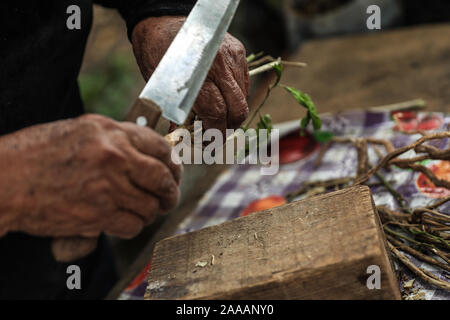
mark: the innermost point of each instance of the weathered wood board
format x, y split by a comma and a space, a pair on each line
318, 248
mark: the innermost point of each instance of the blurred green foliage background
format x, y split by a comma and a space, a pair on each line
109, 80
107, 89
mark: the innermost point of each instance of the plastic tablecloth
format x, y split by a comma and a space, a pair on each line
237, 187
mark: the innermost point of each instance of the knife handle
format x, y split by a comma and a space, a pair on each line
73, 248
148, 114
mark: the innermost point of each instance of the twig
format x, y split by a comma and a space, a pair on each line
401, 236
439, 203
423, 274
400, 224
363, 157
438, 229
417, 254
433, 153
268, 59
411, 105
407, 161
265, 68
430, 175
254, 56
386, 143
343, 139
435, 224
269, 66
430, 237
322, 152
294, 64
398, 197
377, 184
438, 216
400, 151
261, 61
378, 152
440, 254
385, 212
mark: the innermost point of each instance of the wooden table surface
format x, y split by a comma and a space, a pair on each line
368, 70
343, 73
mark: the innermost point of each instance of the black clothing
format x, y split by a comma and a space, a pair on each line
40, 57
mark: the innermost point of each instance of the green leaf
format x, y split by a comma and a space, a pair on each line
305, 101
304, 123
322, 136
317, 122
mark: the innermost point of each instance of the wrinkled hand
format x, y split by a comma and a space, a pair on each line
85, 176
222, 102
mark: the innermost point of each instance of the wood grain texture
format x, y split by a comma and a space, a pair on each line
318, 248
152, 113
203, 177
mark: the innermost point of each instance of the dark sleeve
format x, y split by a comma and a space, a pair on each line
134, 11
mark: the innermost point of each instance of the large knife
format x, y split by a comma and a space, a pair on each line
172, 89
176, 82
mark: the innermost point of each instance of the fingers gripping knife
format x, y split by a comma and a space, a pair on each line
173, 88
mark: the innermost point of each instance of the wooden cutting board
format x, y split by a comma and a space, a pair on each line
323, 247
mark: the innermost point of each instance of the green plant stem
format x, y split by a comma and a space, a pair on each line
417, 254
401, 236
258, 109
263, 102
401, 201
430, 236
254, 56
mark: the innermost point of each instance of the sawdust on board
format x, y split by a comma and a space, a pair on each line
201, 264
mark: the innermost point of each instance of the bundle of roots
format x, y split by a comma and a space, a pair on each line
423, 233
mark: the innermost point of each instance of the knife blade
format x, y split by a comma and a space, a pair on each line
174, 86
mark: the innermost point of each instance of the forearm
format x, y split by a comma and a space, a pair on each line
20, 153
11, 177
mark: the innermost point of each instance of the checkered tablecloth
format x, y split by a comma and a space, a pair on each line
242, 184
